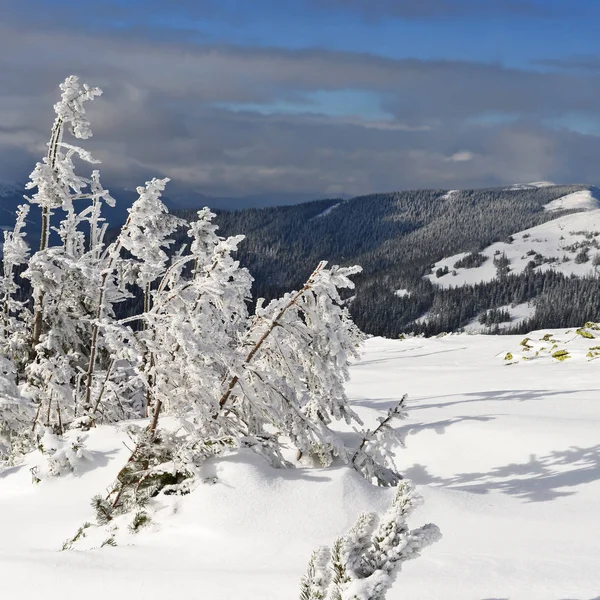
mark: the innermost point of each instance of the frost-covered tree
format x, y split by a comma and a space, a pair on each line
271, 380
54, 179
16, 411
15, 316
263, 382
255, 382
363, 563
64, 277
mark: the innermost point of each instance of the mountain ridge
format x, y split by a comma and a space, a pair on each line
398, 238
401, 240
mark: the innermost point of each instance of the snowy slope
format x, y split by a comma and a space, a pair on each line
532, 185
559, 239
507, 458
582, 200
518, 314
328, 210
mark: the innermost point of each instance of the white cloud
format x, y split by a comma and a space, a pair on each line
462, 156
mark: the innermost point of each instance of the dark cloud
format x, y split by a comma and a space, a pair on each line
411, 9
180, 109
124, 10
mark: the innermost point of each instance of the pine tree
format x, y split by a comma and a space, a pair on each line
63, 277
363, 563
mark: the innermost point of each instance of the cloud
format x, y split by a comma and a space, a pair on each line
463, 156
176, 108
411, 9
125, 11
578, 63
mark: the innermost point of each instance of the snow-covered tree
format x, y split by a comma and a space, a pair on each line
54, 178
15, 316
64, 277
16, 411
272, 381
363, 563
264, 382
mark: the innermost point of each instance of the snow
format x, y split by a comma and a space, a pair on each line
550, 239
402, 293
582, 200
507, 458
449, 194
327, 210
518, 314
542, 184
533, 184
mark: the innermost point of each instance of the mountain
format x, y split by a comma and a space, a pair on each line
11, 195
429, 256
401, 239
563, 244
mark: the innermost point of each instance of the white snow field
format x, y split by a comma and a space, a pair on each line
518, 314
553, 240
507, 457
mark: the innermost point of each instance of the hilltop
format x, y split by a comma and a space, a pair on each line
403, 239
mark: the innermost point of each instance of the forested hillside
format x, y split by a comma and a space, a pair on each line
397, 238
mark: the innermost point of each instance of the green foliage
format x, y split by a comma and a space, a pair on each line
582, 256
109, 541
104, 511
314, 582
80, 534
141, 519
561, 355
502, 263
165, 463
152, 468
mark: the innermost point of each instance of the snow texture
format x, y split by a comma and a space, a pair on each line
506, 457
518, 314
558, 242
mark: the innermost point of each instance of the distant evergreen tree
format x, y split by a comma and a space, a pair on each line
470, 261
397, 237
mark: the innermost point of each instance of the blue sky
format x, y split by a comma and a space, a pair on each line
314, 97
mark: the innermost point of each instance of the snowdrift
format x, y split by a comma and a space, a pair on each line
506, 455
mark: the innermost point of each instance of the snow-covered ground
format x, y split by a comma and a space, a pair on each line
582, 200
518, 314
558, 239
449, 194
328, 210
402, 293
506, 456
532, 185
